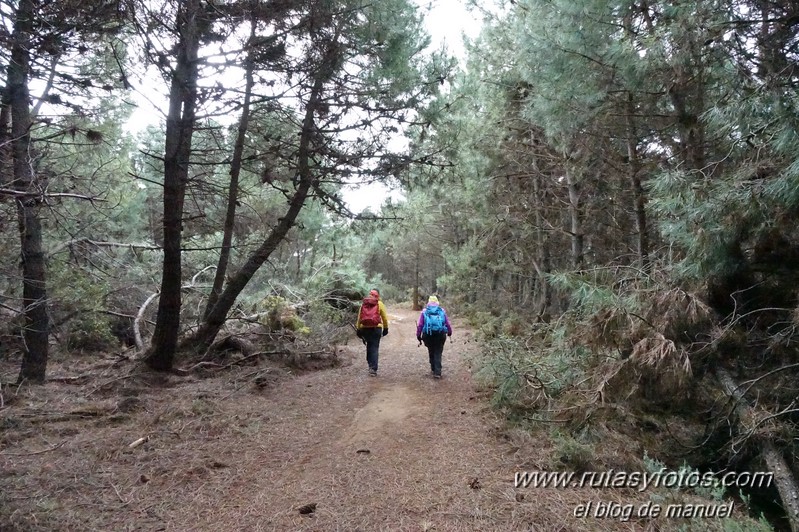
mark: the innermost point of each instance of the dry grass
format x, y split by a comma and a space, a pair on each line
657, 369
661, 356
246, 448
656, 360
679, 314
614, 327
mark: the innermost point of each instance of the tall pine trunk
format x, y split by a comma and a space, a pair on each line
34, 286
576, 227
416, 304
543, 263
177, 151
639, 195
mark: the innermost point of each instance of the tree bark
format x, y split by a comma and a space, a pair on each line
786, 485
34, 286
177, 151
577, 237
416, 304
137, 322
687, 97
542, 269
639, 196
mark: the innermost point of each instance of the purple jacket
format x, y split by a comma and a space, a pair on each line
420, 323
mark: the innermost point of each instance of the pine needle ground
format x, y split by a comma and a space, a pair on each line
319, 450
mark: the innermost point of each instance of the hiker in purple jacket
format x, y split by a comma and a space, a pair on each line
432, 329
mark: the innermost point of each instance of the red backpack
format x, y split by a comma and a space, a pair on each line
370, 312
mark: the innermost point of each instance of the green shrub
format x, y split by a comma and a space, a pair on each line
89, 332
279, 316
77, 304
573, 454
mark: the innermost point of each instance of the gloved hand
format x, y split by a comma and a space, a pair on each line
359, 333
420, 339
385, 331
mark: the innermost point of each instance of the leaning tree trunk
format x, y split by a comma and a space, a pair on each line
216, 316
34, 287
177, 150
235, 171
786, 485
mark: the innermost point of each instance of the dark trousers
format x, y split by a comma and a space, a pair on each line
435, 348
372, 337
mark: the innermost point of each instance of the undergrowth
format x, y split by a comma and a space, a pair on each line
617, 341
623, 372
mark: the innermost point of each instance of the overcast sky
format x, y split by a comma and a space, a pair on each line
447, 20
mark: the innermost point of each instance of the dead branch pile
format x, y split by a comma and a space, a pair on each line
786, 484
679, 315
655, 347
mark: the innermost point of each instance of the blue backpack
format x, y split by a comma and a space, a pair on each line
434, 320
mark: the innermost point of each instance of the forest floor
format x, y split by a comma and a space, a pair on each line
257, 448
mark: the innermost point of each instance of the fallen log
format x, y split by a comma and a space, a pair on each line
783, 477
137, 323
245, 347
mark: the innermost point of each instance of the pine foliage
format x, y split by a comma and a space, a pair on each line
635, 198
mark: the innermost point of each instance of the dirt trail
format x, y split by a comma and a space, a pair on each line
401, 451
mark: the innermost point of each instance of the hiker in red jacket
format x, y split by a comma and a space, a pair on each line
371, 326
433, 328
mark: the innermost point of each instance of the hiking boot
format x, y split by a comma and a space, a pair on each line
436, 375
373, 373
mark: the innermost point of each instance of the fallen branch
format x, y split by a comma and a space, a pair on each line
256, 373
103, 385
202, 364
119, 495
53, 448
137, 322
78, 379
96, 243
196, 276
15, 311
220, 367
60, 417
786, 485
138, 442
